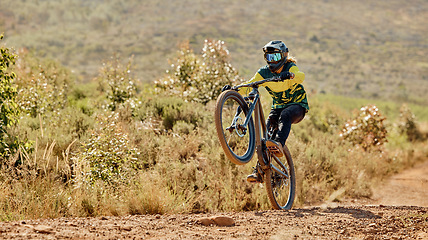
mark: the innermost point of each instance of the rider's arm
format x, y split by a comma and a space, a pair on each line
298, 75
245, 90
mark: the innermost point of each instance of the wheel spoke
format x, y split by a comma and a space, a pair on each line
228, 140
231, 111
281, 185
278, 171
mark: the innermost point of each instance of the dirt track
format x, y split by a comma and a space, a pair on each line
399, 210
409, 188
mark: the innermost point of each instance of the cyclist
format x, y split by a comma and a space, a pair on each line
289, 97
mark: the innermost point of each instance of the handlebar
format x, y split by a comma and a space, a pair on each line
257, 83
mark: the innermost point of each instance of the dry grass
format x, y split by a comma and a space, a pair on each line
171, 161
188, 172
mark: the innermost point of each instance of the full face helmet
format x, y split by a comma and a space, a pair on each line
276, 54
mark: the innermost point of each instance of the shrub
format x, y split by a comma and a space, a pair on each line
164, 113
9, 110
367, 129
43, 85
199, 79
108, 154
116, 82
407, 124
325, 117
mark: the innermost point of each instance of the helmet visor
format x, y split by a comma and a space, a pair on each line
273, 57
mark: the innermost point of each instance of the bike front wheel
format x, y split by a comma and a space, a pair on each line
237, 140
280, 180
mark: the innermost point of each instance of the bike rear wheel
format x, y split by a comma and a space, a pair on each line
280, 180
237, 141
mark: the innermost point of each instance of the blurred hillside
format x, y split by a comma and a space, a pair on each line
369, 49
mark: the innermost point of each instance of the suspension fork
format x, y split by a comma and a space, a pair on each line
243, 127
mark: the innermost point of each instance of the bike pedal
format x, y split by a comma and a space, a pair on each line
273, 148
253, 181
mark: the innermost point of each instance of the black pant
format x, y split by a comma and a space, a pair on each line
283, 118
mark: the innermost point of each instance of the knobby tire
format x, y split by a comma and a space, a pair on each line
232, 98
270, 188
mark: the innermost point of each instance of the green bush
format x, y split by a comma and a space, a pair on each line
9, 110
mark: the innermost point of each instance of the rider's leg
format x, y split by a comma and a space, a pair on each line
255, 176
272, 121
289, 115
273, 118
284, 117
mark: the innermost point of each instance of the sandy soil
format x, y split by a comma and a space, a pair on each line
398, 210
408, 188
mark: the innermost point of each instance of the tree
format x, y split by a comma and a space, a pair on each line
199, 78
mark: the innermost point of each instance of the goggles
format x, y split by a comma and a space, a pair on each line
273, 57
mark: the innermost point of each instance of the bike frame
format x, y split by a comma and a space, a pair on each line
260, 126
245, 135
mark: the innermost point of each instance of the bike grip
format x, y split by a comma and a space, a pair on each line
226, 87
286, 75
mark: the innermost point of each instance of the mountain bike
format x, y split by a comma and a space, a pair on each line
242, 130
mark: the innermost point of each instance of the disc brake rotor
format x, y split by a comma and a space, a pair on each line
238, 129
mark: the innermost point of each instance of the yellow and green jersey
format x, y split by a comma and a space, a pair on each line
284, 93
